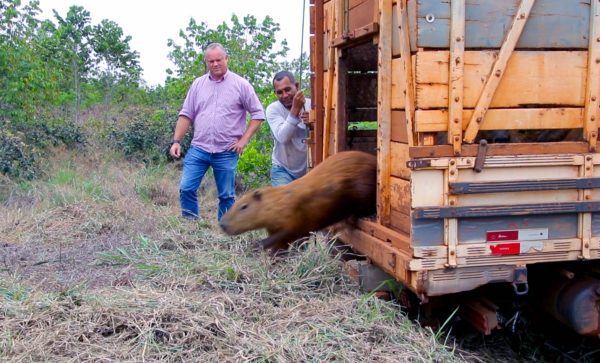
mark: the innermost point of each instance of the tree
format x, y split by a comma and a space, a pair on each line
251, 45
75, 32
115, 61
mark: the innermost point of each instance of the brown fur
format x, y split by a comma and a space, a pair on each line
342, 186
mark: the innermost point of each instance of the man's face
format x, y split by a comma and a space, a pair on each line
285, 91
216, 61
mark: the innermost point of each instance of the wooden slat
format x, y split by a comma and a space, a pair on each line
398, 240
407, 66
317, 84
398, 84
553, 24
400, 221
399, 128
383, 254
401, 195
506, 119
361, 13
501, 149
384, 102
456, 74
399, 158
531, 77
592, 92
498, 69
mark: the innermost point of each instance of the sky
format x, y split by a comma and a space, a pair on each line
150, 23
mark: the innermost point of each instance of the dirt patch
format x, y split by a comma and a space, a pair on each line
57, 267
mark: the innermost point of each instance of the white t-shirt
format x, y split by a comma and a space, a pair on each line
289, 132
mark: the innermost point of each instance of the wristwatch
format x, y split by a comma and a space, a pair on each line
175, 141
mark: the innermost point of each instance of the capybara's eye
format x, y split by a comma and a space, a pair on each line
244, 206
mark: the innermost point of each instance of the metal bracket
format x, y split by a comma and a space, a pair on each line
481, 154
418, 164
520, 284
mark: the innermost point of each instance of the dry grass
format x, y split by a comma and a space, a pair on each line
95, 265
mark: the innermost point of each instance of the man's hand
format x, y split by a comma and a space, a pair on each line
297, 104
239, 146
175, 150
304, 117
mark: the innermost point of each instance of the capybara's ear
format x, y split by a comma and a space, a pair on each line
257, 194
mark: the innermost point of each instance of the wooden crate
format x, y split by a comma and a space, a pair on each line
440, 75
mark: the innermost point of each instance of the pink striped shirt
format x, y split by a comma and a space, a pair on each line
218, 110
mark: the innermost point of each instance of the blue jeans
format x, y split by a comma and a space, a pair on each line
280, 176
195, 165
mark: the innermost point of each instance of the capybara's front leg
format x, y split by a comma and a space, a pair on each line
278, 240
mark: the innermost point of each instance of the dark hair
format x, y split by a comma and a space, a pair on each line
283, 74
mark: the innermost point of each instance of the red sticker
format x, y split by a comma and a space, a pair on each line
502, 236
506, 249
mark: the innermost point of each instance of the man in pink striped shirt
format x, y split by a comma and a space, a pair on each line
216, 106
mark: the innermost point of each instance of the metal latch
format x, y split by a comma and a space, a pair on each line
418, 164
520, 285
481, 154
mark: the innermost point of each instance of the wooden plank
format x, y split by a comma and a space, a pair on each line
316, 150
399, 158
506, 119
384, 92
399, 127
361, 13
592, 92
327, 127
531, 77
553, 24
439, 151
383, 254
400, 222
407, 67
456, 74
400, 241
508, 45
398, 84
401, 195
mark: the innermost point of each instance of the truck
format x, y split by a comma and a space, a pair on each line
483, 116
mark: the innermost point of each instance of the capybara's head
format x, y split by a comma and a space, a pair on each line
245, 214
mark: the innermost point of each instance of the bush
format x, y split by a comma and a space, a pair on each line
254, 167
22, 142
17, 159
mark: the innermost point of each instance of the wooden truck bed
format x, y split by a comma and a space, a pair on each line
433, 78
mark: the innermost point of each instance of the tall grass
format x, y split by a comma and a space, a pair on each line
98, 267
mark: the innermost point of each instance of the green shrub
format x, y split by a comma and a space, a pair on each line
17, 159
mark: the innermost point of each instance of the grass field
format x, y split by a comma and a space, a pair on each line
96, 265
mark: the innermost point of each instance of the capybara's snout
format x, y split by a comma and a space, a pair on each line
225, 226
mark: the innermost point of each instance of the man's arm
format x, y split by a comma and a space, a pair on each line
181, 128
239, 146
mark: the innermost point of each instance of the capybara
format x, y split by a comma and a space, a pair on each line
342, 186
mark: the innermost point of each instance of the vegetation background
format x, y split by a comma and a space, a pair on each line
95, 265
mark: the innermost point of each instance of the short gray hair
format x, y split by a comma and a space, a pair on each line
215, 46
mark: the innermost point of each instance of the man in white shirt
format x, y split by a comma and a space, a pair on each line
287, 118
